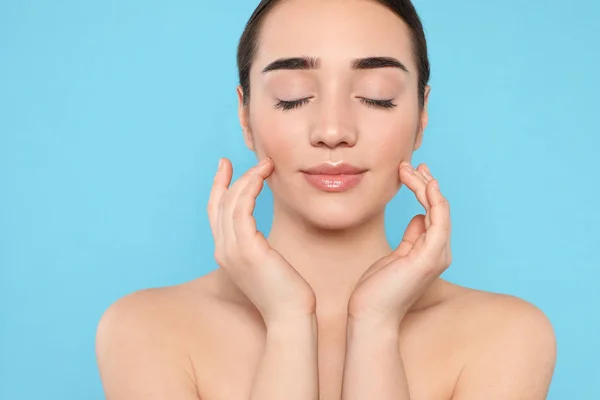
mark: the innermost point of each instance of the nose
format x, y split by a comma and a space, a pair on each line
335, 125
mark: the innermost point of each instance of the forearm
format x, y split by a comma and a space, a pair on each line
373, 367
288, 369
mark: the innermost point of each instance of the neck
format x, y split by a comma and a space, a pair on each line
330, 261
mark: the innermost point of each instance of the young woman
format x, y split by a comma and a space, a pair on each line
333, 101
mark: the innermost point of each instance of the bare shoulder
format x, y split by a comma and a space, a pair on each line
147, 335
509, 345
488, 311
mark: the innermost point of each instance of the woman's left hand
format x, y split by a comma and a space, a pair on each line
386, 291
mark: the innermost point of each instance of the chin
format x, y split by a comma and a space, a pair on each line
333, 222
337, 212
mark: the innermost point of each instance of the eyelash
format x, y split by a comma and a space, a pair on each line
378, 103
289, 105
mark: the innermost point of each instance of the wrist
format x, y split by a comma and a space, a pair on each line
287, 324
365, 325
362, 312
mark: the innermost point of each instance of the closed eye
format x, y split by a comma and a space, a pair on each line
291, 104
377, 103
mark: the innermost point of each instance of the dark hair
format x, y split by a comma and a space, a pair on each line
403, 8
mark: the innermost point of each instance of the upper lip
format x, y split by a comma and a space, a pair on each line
330, 169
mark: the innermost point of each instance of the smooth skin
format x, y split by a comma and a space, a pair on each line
285, 301
324, 308
193, 341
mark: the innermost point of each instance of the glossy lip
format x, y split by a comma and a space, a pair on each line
334, 177
334, 169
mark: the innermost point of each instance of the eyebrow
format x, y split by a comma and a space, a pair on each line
308, 63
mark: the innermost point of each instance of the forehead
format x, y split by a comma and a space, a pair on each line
336, 31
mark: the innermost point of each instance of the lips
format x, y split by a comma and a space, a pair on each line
334, 178
332, 169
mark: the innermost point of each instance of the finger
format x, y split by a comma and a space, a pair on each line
220, 185
437, 238
424, 170
416, 182
419, 171
263, 170
440, 211
244, 223
416, 227
423, 193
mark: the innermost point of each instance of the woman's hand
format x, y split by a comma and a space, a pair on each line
389, 287
266, 278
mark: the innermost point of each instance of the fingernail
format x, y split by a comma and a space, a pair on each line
265, 161
436, 185
220, 164
409, 169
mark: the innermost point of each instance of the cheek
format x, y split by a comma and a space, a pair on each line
276, 143
390, 140
277, 135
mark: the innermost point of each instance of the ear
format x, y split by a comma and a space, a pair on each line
424, 119
244, 116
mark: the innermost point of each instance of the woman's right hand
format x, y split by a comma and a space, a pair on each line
266, 278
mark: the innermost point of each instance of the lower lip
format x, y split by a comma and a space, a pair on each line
334, 183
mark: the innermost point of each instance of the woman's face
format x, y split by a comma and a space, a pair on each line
359, 111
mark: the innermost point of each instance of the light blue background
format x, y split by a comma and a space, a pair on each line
113, 115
